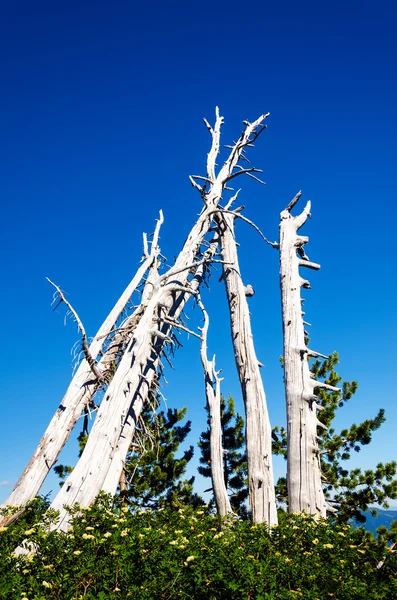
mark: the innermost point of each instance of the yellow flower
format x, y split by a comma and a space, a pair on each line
29, 531
341, 533
173, 543
162, 532
3, 528
77, 552
116, 589
24, 598
114, 526
200, 512
25, 571
307, 553
287, 560
342, 562
352, 546
218, 535
124, 509
250, 556
89, 528
88, 536
48, 566
277, 553
190, 558
47, 585
361, 551
107, 534
124, 532
328, 545
315, 541
213, 529
177, 531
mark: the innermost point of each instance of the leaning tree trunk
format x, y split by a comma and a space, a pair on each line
107, 446
305, 490
213, 396
258, 430
79, 393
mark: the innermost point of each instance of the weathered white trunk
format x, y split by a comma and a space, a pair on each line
258, 430
213, 396
103, 458
76, 398
305, 491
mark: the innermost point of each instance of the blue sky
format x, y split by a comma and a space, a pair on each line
101, 124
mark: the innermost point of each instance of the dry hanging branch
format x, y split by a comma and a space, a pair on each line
213, 396
60, 297
102, 461
305, 491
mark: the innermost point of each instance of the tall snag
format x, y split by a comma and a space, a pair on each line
305, 491
92, 371
258, 430
213, 396
101, 463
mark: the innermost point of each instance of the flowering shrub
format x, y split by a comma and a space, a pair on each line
110, 553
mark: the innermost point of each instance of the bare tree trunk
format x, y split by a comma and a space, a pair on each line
258, 431
305, 490
213, 396
79, 393
102, 461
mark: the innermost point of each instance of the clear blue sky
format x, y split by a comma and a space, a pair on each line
100, 115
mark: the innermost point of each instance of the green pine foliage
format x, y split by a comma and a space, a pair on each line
234, 458
352, 491
189, 554
153, 471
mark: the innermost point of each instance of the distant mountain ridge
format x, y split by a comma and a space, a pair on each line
384, 517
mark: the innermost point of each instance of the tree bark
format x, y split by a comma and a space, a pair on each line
101, 463
78, 395
305, 490
258, 430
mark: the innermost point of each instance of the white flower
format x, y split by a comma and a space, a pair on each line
47, 585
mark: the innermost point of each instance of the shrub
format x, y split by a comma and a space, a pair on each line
190, 554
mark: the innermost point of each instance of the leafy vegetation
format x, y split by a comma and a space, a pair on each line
187, 553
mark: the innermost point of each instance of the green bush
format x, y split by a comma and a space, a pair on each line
189, 554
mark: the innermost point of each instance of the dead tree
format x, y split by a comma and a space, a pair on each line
257, 423
92, 372
102, 461
213, 396
305, 489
